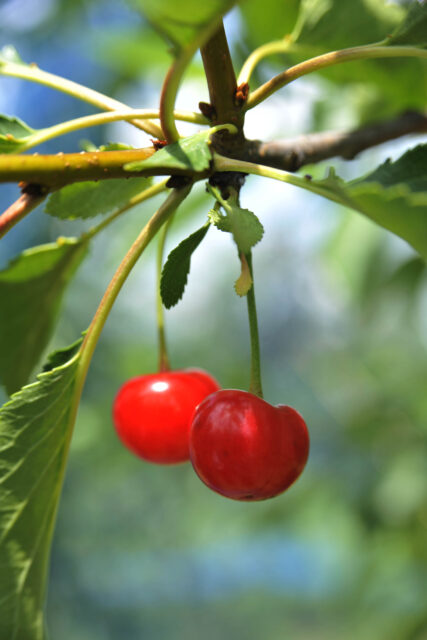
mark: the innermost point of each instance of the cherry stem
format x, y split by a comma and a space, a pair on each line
164, 363
255, 385
94, 331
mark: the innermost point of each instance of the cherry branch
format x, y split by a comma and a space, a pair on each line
292, 154
56, 171
221, 79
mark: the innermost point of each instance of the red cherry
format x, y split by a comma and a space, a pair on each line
246, 449
152, 413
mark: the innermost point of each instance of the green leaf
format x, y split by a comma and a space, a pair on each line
181, 22
177, 267
411, 168
267, 21
413, 29
31, 290
13, 133
246, 228
192, 154
394, 196
337, 24
90, 199
381, 86
35, 430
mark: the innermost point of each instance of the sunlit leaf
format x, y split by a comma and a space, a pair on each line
31, 290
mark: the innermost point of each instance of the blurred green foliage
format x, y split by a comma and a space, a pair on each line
149, 552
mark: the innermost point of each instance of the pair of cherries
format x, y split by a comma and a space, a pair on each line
240, 446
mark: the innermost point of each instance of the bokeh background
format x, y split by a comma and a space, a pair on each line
149, 552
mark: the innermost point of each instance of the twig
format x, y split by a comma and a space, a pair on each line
292, 154
31, 197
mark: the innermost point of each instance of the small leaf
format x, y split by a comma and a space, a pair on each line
31, 290
246, 228
89, 199
13, 133
413, 30
220, 221
177, 267
35, 429
244, 282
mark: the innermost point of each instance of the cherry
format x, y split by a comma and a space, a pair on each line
246, 449
152, 413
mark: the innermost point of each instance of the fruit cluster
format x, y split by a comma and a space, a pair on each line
239, 445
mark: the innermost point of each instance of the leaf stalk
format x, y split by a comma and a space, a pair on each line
327, 60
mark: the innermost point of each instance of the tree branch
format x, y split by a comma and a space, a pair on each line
56, 171
292, 154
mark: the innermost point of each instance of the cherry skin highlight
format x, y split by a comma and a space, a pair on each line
152, 413
246, 449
